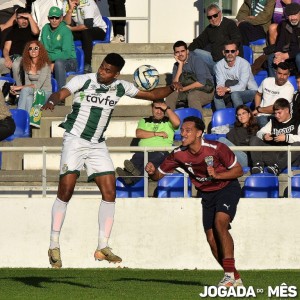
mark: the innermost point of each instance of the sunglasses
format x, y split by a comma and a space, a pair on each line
54, 18
213, 16
34, 48
229, 51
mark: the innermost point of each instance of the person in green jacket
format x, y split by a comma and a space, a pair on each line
58, 41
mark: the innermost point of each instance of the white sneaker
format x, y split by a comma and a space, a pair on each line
118, 39
227, 281
238, 282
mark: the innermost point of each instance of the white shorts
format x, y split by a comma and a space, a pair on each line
78, 153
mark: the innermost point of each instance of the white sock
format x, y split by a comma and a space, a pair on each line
59, 209
105, 220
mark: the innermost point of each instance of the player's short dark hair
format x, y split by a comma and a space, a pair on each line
21, 10
116, 60
199, 124
180, 44
281, 103
283, 66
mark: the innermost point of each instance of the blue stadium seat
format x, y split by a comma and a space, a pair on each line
22, 120
248, 54
129, 191
54, 85
260, 76
106, 38
261, 186
1, 53
259, 42
182, 113
80, 62
7, 78
172, 186
293, 81
296, 186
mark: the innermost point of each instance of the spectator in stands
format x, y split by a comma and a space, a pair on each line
58, 41
283, 130
40, 10
213, 169
23, 31
86, 23
254, 18
234, 79
193, 74
117, 9
209, 44
244, 128
287, 48
7, 123
37, 69
296, 100
154, 131
269, 91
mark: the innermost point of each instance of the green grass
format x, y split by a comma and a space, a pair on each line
127, 283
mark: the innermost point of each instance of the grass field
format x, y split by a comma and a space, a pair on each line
129, 283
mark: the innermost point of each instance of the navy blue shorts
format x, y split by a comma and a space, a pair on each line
224, 200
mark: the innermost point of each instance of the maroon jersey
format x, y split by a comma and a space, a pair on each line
211, 153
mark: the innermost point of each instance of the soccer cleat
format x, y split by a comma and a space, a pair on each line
118, 39
106, 254
238, 282
257, 169
273, 169
54, 258
124, 175
130, 167
227, 281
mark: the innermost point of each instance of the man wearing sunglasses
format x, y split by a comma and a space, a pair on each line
58, 41
209, 44
235, 81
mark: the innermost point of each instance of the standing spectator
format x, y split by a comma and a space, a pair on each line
193, 74
282, 130
117, 9
269, 91
154, 131
254, 18
244, 128
287, 48
234, 78
23, 31
37, 69
210, 43
86, 23
7, 123
58, 41
213, 169
40, 10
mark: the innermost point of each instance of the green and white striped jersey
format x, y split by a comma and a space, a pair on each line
93, 105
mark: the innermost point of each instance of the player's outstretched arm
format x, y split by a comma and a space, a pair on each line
56, 98
154, 174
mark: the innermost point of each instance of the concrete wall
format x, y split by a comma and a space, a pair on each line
150, 233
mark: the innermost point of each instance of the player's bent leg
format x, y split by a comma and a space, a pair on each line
210, 237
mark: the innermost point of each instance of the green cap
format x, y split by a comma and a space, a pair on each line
55, 12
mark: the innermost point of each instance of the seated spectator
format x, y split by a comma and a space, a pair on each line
40, 10
154, 131
117, 9
86, 23
7, 123
58, 41
37, 69
234, 79
269, 91
282, 130
287, 47
244, 128
193, 74
209, 44
254, 18
23, 31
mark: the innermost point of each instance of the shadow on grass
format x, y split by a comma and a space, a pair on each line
38, 281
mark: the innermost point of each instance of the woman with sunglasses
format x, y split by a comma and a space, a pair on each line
37, 70
244, 128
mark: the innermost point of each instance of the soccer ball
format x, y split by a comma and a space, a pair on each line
146, 78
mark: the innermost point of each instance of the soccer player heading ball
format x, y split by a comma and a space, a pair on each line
95, 97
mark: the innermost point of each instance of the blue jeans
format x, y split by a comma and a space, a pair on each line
26, 98
207, 58
61, 66
238, 98
241, 156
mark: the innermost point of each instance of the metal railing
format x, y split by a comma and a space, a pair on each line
45, 150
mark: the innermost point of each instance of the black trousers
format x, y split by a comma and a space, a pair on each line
251, 32
7, 128
117, 9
